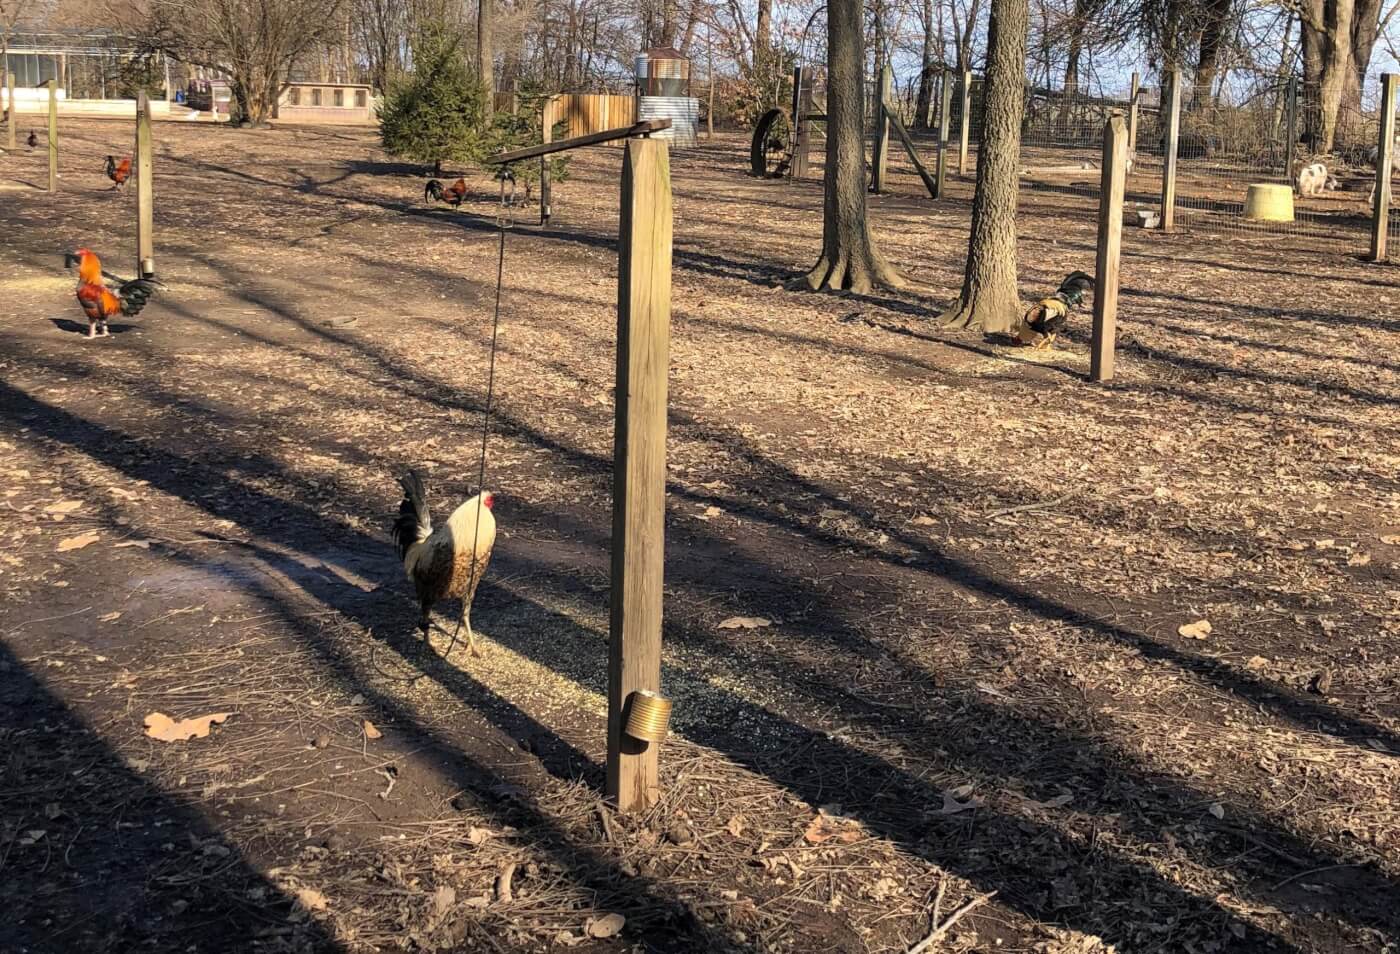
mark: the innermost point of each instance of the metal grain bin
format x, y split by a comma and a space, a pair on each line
663, 72
682, 111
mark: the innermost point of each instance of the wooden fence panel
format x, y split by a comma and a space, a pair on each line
588, 113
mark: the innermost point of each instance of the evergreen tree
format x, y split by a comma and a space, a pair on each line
522, 128
434, 114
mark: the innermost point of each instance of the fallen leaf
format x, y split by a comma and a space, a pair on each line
606, 926
826, 827
1197, 630
1256, 663
160, 726
143, 544
63, 506
745, 622
478, 836
311, 899
109, 617
736, 825
371, 732
443, 899
1391, 539
1359, 559
710, 513
1217, 809
953, 800
78, 542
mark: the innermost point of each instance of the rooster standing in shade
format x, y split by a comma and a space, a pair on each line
452, 195
98, 301
449, 562
1043, 322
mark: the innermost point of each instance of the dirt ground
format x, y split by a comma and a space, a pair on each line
971, 576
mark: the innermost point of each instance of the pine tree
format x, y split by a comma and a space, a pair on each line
524, 128
434, 115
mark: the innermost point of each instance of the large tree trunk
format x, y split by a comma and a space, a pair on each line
923, 101
485, 56
1213, 30
1339, 37
763, 34
989, 298
849, 260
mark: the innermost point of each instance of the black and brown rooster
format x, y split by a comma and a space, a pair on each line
451, 195
1047, 318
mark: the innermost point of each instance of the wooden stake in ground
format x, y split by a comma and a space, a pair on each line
639, 463
1173, 117
53, 135
546, 135
13, 114
1134, 93
1385, 162
879, 162
145, 190
965, 129
945, 105
1115, 162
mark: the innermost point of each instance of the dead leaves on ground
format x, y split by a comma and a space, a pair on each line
161, 727
78, 542
1200, 629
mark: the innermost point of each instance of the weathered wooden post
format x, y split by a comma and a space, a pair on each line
546, 135
801, 153
945, 103
1385, 162
145, 190
1290, 140
965, 132
1173, 117
13, 114
1115, 161
880, 160
53, 135
1134, 94
639, 463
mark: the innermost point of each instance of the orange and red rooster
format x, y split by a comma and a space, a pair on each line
119, 172
97, 300
449, 562
452, 195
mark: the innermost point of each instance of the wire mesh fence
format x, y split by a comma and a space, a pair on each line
1250, 160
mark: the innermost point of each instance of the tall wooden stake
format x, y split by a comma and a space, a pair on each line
1115, 161
965, 131
802, 152
880, 160
1173, 117
639, 462
53, 135
546, 135
13, 114
145, 189
1134, 94
1385, 162
945, 105
1290, 141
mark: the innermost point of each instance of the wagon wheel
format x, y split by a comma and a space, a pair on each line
773, 142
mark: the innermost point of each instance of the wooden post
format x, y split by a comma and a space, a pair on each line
546, 135
1115, 162
880, 160
639, 463
802, 150
1385, 162
12, 115
945, 104
53, 135
966, 128
145, 186
1134, 94
1290, 141
1173, 116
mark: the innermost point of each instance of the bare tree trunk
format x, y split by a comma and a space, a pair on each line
924, 100
849, 260
485, 57
989, 297
763, 34
1217, 21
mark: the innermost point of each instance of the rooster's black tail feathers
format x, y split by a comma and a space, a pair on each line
1072, 289
413, 524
